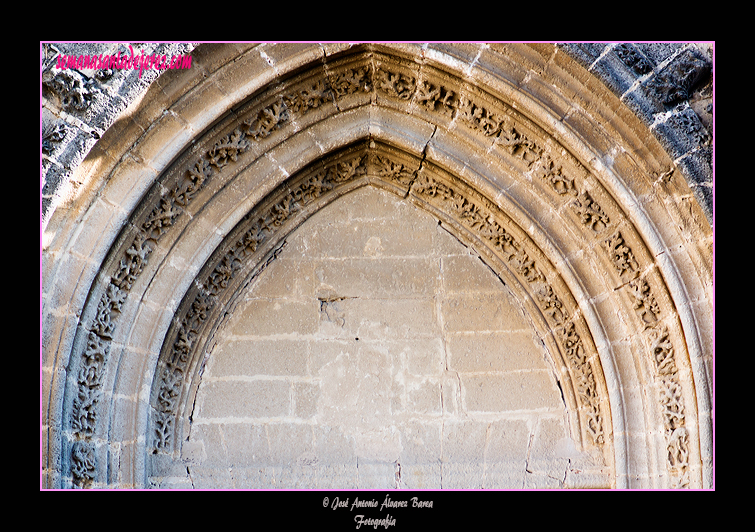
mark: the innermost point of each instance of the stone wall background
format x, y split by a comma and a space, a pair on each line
379, 352
668, 85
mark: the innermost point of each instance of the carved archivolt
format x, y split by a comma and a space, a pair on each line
444, 101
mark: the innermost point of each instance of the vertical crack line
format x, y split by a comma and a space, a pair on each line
458, 390
527, 459
188, 473
397, 474
421, 163
558, 383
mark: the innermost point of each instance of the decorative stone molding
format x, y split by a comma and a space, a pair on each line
481, 220
449, 104
675, 82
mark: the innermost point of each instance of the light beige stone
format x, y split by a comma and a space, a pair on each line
246, 399
441, 243
251, 357
510, 392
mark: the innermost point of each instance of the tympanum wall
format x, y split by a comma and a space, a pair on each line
378, 266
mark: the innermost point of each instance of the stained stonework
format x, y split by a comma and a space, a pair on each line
377, 352
439, 265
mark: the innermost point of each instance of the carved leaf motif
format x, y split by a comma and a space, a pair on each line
228, 149
590, 213
82, 462
621, 255
187, 188
163, 429
678, 448
645, 304
436, 97
350, 169
84, 410
396, 84
353, 81
479, 118
222, 274
134, 262
392, 171
663, 351
267, 120
161, 218
518, 145
91, 371
671, 399
525, 266
102, 323
307, 99
550, 303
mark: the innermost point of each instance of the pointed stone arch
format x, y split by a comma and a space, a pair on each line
556, 185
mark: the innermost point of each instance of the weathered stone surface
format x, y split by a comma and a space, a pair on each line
185, 315
411, 343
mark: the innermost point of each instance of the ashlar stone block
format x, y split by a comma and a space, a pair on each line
245, 399
482, 312
269, 317
510, 392
494, 351
252, 357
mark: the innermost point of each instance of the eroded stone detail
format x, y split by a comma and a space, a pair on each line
481, 220
76, 92
621, 256
157, 222
631, 57
478, 218
656, 333
262, 225
676, 81
52, 136
645, 304
400, 85
353, 80
672, 403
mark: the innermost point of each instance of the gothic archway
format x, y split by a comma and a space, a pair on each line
571, 202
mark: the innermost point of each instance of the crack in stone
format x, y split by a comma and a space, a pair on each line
527, 459
330, 312
421, 162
